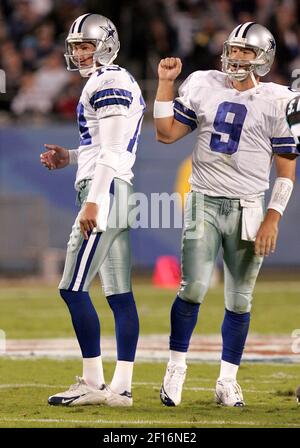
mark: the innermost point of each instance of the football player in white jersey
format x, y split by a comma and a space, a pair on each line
241, 129
110, 113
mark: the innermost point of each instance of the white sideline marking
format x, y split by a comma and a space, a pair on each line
35, 385
138, 383
154, 386
142, 422
122, 422
260, 348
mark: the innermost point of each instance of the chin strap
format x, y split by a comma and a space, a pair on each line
87, 72
256, 85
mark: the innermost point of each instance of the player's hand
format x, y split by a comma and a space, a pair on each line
169, 69
88, 219
55, 157
266, 238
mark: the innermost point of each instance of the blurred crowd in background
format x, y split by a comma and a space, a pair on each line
33, 32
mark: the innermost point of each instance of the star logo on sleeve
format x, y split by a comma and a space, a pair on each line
109, 32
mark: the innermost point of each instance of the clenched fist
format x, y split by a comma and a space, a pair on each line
169, 69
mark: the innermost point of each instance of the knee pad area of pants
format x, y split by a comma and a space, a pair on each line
238, 302
113, 290
193, 291
70, 296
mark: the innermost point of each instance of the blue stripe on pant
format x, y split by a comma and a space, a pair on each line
79, 267
78, 261
89, 261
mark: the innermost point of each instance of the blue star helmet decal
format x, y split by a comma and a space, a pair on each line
109, 32
271, 45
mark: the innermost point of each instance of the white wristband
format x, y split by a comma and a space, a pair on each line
73, 156
281, 194
163, 109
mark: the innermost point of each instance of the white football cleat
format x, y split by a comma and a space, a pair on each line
81, 394
118, 400
171, 389
229, 393
78, 394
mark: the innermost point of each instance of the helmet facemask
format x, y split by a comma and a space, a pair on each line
102, 56
243, 67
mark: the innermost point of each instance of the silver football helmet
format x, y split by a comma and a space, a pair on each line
254, 37
102, 33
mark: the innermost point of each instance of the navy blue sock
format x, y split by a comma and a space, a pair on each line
234, 333
184, 317
126, 324
85, 321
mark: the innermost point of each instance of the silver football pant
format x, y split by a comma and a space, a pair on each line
212, 223
106, 254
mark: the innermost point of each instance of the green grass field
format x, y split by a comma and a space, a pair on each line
38, 312
268, 391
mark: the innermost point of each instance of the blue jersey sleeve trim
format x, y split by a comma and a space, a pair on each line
184, 110
282, 141
184, 120
108, 94
286, 150
111, 101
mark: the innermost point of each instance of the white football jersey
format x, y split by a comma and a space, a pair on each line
238, 133
110, 91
